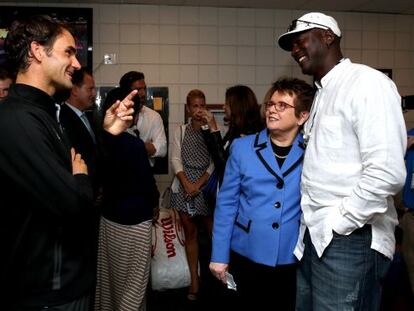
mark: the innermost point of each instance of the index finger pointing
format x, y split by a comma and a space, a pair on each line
131, 95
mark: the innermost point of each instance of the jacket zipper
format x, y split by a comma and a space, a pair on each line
57, 266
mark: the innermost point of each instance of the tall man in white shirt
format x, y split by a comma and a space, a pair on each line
354, 163
148, 122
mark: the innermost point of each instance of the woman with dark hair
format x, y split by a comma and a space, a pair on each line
242, 114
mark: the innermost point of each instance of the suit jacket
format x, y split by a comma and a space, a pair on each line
258, 207
81, 140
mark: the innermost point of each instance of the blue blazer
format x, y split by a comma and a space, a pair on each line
258, 207
408, 194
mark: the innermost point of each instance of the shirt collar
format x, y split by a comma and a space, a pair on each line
78, 112
332, 73
33, 96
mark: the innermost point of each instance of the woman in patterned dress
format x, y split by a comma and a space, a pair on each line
192, 166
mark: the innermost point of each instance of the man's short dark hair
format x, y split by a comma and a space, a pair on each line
78, 79
129, 78
79, 76
38, 28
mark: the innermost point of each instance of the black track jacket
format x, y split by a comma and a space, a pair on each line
45, 237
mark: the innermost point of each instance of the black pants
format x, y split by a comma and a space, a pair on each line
261, 287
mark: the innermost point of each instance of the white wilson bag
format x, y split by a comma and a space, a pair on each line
169, 266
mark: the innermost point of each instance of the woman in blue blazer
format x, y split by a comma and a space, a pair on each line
257, 216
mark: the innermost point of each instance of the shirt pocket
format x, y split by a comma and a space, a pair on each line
331, 132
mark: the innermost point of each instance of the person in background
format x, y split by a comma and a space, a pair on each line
256, 220
192, 167
354, 164
130, 195
47, 257
6, 79
148, 123
242, 113
82, 137
78, 124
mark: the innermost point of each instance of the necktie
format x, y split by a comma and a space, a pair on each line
61, 135
58, 117
88, 126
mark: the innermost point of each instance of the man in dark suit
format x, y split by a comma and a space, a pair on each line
77, 122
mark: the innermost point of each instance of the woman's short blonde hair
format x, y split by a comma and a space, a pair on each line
195, 94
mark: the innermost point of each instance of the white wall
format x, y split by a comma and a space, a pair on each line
213, 48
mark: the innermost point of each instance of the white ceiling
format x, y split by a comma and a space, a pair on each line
375, 6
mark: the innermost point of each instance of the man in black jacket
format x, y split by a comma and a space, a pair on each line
46, 197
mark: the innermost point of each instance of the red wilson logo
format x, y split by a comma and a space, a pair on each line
169, 235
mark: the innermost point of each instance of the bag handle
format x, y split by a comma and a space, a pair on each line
154, 233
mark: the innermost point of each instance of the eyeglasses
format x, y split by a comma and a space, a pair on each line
295, 22
279, 106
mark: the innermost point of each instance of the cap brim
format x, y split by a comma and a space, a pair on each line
285, 40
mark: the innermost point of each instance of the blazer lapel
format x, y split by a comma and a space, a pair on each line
265, 154
295, 156
82, 129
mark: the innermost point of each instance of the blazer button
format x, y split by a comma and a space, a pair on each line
279, 185
277, 204
275, 225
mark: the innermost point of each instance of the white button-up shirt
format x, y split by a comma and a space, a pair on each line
151, 129
354, 160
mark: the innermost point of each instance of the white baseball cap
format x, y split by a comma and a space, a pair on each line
307, 22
